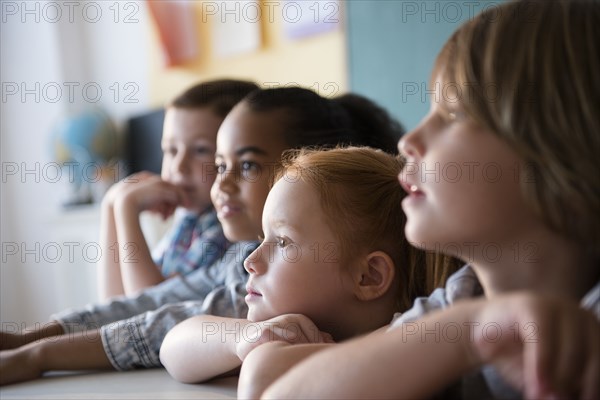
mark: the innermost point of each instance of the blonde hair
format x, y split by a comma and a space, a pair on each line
541, 60
361, 197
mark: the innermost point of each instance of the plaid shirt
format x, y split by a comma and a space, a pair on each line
195, 241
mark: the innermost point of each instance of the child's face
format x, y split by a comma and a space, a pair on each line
296, 269
188, 146
249, 146
464, 195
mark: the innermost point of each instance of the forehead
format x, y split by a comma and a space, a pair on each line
291, 198
191, 123
447, 94
245, 128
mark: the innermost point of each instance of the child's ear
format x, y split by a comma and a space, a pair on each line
374, 276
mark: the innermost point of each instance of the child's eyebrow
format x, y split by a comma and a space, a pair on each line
283, 222
244, 150
250, 149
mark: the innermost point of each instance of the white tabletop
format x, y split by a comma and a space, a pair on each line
140, 384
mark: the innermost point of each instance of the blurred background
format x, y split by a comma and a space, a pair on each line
84, 82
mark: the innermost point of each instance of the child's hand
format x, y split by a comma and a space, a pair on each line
290, 328
119, 188
547, 348
153, 194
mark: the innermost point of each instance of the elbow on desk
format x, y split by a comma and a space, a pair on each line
169, 358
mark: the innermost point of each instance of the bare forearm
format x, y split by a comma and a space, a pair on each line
78, 351
202, 348
49, 330
414, 361
109, 273
268, 362
15, 338
65, 352
138, 270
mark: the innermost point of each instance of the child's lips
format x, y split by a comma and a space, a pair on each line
189, 191
187, 195
253, 294
415, 195
228, 210
409, 187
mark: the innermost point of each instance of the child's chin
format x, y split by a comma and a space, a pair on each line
251, 316
254, 316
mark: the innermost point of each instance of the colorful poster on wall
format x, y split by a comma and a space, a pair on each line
236, 28
306, 18
176, 29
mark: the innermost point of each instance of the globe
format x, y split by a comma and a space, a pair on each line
85, 144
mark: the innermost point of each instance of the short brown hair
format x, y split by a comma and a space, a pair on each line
220, 95
361, 197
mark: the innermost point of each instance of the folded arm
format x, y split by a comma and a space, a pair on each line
268, 362
543, 347
202, 347
206, 346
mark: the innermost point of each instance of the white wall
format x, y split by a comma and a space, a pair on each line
39, 45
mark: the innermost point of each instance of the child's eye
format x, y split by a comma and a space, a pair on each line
249, 166
221, 168
250, 170
454, 115
282, 241
201, 150
170, 151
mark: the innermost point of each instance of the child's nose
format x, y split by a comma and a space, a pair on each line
411, 144
181, 164
254, 263
226, 181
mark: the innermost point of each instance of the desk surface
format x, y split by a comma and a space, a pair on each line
141, 384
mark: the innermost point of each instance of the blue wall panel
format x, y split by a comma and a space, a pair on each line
392, 45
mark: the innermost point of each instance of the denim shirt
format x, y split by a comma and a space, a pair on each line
133, 328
